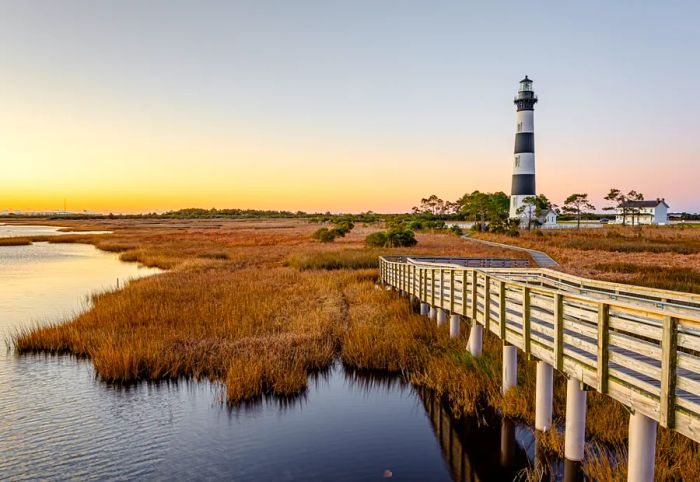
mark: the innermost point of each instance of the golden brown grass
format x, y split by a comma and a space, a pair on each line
326, 259
18, 241
230, 308
259, 307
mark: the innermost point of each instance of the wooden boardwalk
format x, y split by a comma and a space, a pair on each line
640, 346
542, 259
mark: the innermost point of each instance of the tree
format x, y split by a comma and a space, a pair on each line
531, 209
484, 207
634, 196
431, 205
577, 204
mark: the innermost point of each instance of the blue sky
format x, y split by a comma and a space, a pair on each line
347, 106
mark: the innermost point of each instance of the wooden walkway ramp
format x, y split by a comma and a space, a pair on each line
542, 259
638, 345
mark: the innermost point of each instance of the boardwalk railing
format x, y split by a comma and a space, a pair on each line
638, 345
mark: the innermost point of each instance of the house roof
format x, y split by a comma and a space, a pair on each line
543, 216
642, 204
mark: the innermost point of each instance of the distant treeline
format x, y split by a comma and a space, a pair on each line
475, 206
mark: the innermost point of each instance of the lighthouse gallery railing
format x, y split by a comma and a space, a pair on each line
638, 345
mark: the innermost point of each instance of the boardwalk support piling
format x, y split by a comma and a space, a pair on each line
424, 309
642, 448
454, 325
510, 367
574, 437
475, 343
441, 317
433, 313
543, 396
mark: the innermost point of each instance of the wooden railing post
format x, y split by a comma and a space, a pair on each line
442, 288
452, 292
487, 303
464, 292
475, 285
603, 346
669, 346
413, 279
502, 309
559, 331
526, 320
432, 287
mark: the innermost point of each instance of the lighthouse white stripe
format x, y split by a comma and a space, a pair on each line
524, 163
525, 121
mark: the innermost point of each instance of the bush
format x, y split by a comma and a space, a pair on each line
394, 238
397, 238
324, 235
456, 230
377, 240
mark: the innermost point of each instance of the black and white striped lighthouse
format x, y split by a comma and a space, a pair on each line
524, 164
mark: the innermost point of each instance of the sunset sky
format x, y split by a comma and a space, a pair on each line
132, 106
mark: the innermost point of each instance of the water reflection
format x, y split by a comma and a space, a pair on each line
18, 230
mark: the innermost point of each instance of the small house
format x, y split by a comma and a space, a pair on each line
642, 212
548, 218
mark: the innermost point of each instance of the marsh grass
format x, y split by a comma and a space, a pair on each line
331, 260
279, 309
17, 241
655, 276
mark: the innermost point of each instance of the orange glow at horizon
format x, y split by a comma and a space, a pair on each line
102, 156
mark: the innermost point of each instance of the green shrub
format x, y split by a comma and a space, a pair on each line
377, 240
393, 238
396, 238
456, 230
324, 235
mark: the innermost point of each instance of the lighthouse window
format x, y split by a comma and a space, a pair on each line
517, 161
520, 126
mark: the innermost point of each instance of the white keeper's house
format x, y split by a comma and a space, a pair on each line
642, 212
548, 219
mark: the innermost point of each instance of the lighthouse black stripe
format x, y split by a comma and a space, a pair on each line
524, 142
523, 184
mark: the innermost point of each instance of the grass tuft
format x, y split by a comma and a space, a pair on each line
18, 241
331, 260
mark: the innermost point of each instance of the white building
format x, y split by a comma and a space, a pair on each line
548, 219
523, 180
642, 212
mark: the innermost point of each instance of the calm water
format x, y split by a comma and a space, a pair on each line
57, 421
15, 231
